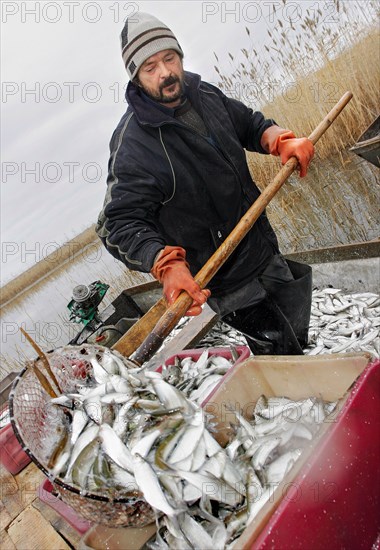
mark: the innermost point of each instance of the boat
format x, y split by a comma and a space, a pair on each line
35, 518
368, 145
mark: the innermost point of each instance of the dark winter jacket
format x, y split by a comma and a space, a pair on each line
168, 184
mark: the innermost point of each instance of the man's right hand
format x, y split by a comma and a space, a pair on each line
171, 269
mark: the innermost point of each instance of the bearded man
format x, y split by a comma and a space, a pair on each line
179, 182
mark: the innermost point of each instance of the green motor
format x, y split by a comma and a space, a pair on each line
85, 301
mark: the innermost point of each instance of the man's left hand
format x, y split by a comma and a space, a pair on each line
302, 148
280, 142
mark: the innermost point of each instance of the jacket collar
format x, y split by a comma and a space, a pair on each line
148, 113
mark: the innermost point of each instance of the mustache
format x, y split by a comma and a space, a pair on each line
169, 81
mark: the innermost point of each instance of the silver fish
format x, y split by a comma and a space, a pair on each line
109, 362
124, 478
121, 385
116, 397
277, 469
190, 439
143, 446
80, 420
212, 487
100, 374
149, 485
121, 420
93, 408
194, 532
259, 503
85, 438
84, 463
263, 453
170, 396
115, 448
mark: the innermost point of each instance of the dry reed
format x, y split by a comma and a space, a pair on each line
300, 73
305, 67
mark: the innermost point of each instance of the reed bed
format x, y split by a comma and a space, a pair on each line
300, 72
305, 67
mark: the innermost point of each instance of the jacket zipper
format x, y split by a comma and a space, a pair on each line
225, 158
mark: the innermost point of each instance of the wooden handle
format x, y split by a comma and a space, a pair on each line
204, 276
174, 313
134, 337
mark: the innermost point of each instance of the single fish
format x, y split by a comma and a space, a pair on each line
167, 445
63, 400
172, 486
170, 396
88, 392
212, 487
190, 439
123, 478
79, 422
194, 532
145, 444
116, 397
101, 472
84, 464
199, 455
259, 503
109, 362
120, 423
100, 374
262, 455
60, 454
149, 485
121, 385
205, 388
92, 406
85, 438
115, 448
277, 470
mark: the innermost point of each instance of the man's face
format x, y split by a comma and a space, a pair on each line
161, 77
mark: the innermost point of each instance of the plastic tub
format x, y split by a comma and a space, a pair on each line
337, 502
243, 351
46, 494
331, 497
12, 456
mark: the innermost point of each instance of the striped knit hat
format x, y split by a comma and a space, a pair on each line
144, 35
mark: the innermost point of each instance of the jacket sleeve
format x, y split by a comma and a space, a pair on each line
249, 125
128, 225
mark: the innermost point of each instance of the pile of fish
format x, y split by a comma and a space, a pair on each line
339, 322
344, 322
123, 423
126, 429
260, 453
221, 335
197, 378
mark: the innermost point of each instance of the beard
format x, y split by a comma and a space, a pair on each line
160, 95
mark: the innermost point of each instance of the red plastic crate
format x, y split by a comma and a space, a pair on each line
12, 455
335, 500
45, 493
195, 354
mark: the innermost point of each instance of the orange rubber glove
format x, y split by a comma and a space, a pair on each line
284, 143
172, 270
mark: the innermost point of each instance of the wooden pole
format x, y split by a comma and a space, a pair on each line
174, 313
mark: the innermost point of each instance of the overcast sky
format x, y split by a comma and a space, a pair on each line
63, 86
